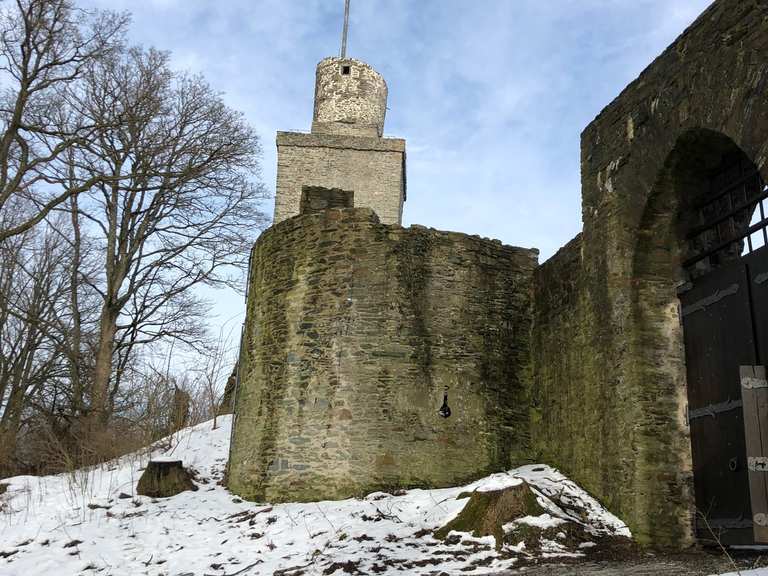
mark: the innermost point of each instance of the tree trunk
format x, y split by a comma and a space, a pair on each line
99, 415
180, 410
164, 478
75, 340
7, 452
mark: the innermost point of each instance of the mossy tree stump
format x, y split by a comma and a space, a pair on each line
164, 478
486, 512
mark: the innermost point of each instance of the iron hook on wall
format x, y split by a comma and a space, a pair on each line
445, 410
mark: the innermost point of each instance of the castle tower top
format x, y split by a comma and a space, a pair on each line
345, 162
350, 98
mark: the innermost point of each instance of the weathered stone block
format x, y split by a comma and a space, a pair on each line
373, 168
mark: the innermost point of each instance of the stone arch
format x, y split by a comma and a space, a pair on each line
708, 85
657, 346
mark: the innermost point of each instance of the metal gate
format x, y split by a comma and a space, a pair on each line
724, 311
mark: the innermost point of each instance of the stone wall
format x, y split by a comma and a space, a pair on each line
355, 327
611, 408
372, 168
577, 424
561, 406
354, 330
350, 98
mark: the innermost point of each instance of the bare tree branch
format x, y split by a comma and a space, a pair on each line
46, 46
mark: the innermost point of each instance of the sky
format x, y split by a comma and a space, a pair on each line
490, 95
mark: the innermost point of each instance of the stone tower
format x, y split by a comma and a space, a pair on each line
344, 161
358, 331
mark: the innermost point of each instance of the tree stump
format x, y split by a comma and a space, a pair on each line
164, 478
486, 512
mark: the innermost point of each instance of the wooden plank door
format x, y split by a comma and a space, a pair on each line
755, 395
718, 337
757, 264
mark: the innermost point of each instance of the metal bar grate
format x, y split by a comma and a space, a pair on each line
732, 216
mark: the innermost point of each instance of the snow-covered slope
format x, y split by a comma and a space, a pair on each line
91, 522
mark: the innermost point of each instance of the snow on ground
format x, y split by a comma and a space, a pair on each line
91, 522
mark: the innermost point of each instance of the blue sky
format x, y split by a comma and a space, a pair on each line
490, 95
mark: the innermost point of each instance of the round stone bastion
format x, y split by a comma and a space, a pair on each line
354, 330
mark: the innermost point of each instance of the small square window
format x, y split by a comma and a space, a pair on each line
345, 70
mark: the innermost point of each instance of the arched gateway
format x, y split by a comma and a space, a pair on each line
725, 321
704, 235
632, 359
651, 326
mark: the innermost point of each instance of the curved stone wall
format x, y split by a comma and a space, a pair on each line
350, 98
354, 328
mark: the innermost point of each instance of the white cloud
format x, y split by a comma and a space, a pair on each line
491, 95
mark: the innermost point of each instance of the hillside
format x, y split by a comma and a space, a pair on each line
91, 522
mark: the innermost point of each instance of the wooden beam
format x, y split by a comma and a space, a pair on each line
754, 395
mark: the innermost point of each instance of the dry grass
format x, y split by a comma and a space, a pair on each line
63, 446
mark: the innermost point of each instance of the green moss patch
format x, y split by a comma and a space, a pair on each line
486, 512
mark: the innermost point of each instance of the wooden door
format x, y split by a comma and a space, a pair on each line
754, 390
717, 325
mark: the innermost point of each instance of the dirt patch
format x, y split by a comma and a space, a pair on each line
571, 538
698, 563
348, 567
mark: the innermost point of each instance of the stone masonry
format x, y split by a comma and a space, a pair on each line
350, 98
372, 168
608, 368
345, 149
355, 325
354, 331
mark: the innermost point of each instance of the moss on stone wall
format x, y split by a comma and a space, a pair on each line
610, 386
354, 330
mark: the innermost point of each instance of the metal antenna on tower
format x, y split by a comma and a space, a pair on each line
346, 28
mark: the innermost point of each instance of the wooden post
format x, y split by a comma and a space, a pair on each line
754, 396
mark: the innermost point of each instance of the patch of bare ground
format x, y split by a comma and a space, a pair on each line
694, 563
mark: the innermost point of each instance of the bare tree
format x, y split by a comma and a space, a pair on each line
175, 205
46, 46
123, 186
33, 294
213, 372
